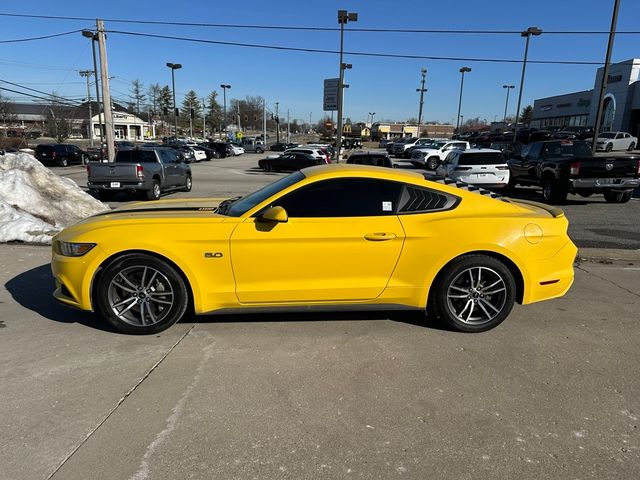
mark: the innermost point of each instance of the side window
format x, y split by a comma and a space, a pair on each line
526, 150
536, 149
461, 146
167, 157
450, 157
344, 197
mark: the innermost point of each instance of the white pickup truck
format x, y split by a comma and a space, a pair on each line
430, 157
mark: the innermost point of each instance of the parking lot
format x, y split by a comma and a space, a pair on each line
551, 393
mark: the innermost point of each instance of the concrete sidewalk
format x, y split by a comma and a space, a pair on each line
551, 393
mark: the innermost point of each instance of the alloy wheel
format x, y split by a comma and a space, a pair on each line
477, 295
140, 295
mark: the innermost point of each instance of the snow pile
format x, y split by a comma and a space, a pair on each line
35, 203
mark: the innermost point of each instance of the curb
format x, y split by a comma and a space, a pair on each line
608, 256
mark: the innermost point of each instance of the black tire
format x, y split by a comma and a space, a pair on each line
609, 147
188, 184
451, 298
552, 191
259, 150
617, 197
511, 185
432, 163
64, 162
632, 146
154, 192
104, 195
266, 166
168, 287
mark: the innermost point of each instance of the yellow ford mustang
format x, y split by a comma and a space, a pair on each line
337, 236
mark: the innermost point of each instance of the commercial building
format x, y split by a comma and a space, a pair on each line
33, 117
391, 131
621, 110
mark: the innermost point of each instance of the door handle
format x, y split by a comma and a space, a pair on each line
380, 236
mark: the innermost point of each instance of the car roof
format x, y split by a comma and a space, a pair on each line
480, 150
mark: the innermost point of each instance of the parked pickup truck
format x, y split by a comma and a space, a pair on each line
433, 154
148, 170
568, 166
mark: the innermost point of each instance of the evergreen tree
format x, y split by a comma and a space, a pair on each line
137, 95
190, 102
214, 111
526, 115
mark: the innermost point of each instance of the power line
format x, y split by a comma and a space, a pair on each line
44, 37
49, 99
363, 54
317, 29
50, 96
34, 65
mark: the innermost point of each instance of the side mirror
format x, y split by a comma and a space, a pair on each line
274, 215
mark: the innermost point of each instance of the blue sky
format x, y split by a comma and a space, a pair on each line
382, 85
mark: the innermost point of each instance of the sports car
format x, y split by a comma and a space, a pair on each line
327, 237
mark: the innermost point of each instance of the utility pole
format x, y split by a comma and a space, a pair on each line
288, 130
605, 73
277, 124
264, 123
204, 120
87, 74
310, 113
343, 18
238, 112
423, 72
106, 93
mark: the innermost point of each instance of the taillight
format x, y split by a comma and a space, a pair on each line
327, 159
462, 169
88, 170
53, 155
575, 168
139, 171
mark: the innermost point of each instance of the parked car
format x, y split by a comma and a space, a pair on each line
399, 147
236, 149
290, 161
209, 153
609, 141
564, 166
477, 166
319, 153
430, 157
281, 147
141, 170
253, 145
345, 236
224, 149
198, 154
370, 158
62, 154
392, 145
384, 142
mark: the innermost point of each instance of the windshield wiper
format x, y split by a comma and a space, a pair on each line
224, 206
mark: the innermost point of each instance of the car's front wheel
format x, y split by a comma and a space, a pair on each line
474, 293
609, 147
432, 163
141, 294
552, 190
188, 184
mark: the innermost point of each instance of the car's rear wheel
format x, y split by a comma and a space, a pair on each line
474, 293
64, 162
632, 147
552, 191
141, 294
267, 167
617, 197
154, 192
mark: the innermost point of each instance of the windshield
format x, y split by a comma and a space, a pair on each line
243, 205
607, 135
437, 144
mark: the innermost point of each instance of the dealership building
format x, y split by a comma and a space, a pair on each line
621, 110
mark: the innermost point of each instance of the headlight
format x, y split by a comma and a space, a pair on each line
70, 249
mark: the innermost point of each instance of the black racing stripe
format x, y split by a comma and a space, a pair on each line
167, 209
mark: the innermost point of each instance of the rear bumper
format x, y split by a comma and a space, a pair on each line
553, 277
604, 183
123, 186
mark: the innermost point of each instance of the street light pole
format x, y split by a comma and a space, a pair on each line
277, 124
506, 103
174, 67
463, 70
343, 18
423, 72
224, 87
87, 74
535, 31
605, 74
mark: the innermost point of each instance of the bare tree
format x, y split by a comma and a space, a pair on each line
58, 121
154, 93
137, 95
7, 115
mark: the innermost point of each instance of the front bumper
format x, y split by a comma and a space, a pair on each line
605, 183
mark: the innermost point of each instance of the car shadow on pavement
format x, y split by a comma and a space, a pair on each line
33, 290
410, 317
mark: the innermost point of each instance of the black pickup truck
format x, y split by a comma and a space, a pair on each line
568, 166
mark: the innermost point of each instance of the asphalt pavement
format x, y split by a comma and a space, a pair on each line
550, 393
